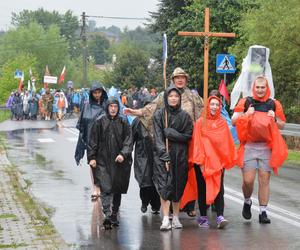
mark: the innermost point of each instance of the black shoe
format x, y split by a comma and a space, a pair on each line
263, 218
144, 208
247, 211
107, 225
114, 219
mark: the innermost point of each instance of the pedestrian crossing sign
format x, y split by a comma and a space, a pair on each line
225, 64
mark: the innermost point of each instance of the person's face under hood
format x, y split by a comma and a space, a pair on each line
112, 109
173, 99
97, 95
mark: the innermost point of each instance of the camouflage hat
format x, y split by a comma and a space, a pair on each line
179, 72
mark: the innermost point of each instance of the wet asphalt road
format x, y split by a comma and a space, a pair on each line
45, 157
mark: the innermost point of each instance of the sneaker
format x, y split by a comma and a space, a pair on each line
107, 225
176, 223
144, 208
263, 218
221, 222
165, 226
114, 219
203, 221
247, 211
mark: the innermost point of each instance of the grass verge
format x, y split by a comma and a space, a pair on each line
4, 114
293, 158
41, 223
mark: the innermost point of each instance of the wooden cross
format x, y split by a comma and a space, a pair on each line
206, 35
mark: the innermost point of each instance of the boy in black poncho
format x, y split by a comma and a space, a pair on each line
171, 164
109, 152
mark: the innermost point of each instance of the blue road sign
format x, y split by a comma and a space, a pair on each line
225, 64
18, 74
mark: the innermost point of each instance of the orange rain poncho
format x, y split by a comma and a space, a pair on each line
213, 148
260, 127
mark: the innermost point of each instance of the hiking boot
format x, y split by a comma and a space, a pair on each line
144, 208
114, 219
247, 211
176, 223
203, 221
165, 226
221, 222
107, 225
263, 218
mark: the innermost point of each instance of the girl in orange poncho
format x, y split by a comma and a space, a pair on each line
212, 149
262, 147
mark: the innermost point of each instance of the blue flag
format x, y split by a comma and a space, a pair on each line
165, 48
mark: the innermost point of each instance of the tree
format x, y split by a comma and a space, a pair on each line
47, 46
23, 62
98, 46
276, 25
131, 66
188, 15
68, 24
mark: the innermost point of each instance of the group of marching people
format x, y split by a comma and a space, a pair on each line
48, 104
181, 150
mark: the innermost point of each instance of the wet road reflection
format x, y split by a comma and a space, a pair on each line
65, 187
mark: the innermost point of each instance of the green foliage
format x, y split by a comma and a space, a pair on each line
188, 15
98, 46
131, 66
68, 24
276, 25
23, 61
47, 46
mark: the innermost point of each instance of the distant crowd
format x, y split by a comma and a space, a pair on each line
57, 104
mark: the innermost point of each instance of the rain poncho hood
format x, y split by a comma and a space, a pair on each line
212, 148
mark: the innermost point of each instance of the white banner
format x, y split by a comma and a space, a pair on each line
50, 79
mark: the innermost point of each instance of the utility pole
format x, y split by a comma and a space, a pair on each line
84, 39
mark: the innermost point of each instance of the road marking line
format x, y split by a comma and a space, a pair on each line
45, 140
72, 131
272, 207
72, 139
272, 214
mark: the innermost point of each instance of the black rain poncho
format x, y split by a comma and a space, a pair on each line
143, 154
170, 185
109, 138
90, 112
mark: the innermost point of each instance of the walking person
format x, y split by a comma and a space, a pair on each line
109, 154
90, 112
212, 150
143, 164
171, 160
258, 119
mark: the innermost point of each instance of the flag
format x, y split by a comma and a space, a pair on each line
165, 48
62, 75
28, 85
46, 74
223, 90
21, 83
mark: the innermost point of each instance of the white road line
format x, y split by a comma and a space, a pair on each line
45, 140
72, 131
270, 206
272, 214
72, 139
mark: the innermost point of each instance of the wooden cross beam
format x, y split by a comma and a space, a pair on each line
206, 34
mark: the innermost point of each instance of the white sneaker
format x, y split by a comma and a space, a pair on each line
165, 226
176, 223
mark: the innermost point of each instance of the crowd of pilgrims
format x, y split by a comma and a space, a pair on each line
181, 151
53, 104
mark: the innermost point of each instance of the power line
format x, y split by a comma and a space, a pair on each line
121, 18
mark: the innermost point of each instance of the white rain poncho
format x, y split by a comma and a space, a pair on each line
255, 64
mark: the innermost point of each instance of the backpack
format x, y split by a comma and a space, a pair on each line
259, 106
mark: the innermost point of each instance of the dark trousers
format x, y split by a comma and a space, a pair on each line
219, 201
106, 199
150, 195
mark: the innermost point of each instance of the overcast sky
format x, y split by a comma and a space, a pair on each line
123, 8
